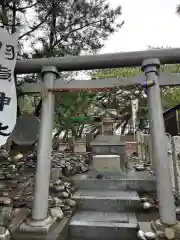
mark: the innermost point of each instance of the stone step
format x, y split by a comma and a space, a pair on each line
140, 185
145, 226
74, 238
103, 225
107, 201
146, 215
77, 238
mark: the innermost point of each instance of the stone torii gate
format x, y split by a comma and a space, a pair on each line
152, 79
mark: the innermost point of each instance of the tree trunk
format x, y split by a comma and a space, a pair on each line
53, 29
50, 50
13, 18
80, 131
38, 109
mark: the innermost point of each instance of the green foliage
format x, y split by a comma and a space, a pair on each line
170, 95
132, 72
74, 26
69, 105
116, 72
70, 27
60, 28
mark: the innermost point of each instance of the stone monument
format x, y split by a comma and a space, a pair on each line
108, 150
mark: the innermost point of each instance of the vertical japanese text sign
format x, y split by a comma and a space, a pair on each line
8, 97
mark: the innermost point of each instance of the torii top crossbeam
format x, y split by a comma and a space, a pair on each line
102, 61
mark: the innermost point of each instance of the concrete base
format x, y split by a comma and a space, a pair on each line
106, 201
107, 163
103, 225
47, 229
166, 232
41, 227
79, 147
140, 185
145, 226
20, 217
4, 234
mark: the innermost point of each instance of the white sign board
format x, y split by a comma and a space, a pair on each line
8, 97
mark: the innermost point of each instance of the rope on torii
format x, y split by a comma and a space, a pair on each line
99, 85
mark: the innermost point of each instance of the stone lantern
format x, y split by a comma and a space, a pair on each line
108, 150
107, 126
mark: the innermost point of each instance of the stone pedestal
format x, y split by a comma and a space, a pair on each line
107, 163
107, 127
80, 147
110, 146
166, 232
52, 229
131, 148
63, 146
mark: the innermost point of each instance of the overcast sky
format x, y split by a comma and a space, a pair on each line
147, 22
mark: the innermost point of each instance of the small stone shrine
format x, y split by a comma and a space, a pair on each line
108, 151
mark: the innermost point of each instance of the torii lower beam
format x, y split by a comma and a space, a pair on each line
98, 84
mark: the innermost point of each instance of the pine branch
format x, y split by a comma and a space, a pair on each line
21, 9
35, 27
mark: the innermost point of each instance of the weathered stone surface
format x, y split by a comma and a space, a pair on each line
17, 184
20, 215
55, 174
64, 163
164, 232
6, 215
70, 202
57, 213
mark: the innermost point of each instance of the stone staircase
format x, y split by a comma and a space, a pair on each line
108, 208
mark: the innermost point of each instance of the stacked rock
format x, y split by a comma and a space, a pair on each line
17, 181
71, 163
61, 193
68, 163
6, 213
